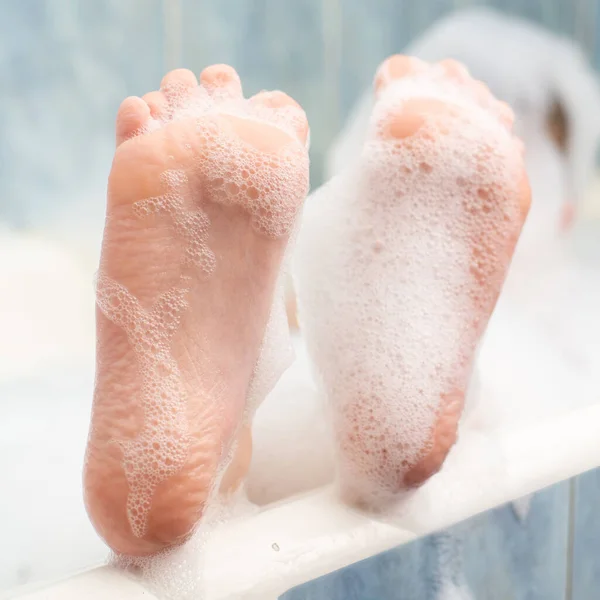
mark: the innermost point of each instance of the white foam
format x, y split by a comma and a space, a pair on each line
292, 448
161, 446
190, 225
242, 155
179, 572
399, 264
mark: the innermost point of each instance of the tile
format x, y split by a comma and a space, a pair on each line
66, 66
557, 15
586, 538
273, 45
402, 574
370, 32
505, 557
494, 556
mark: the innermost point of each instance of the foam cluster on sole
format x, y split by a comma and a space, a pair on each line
399, 264
235, 153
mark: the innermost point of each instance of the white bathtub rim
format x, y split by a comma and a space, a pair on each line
312, 533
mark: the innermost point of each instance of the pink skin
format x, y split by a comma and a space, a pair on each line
196, 271
395, 407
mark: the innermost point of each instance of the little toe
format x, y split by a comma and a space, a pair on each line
221, 82
132, 115
524, 194
283, 110
396, 67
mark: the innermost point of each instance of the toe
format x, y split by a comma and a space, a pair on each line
284, 111
520, 146
396, 67
178, 86
455, 70
158, 104
133, 114
524, 195
221, 81
178, 78
482, 94
505, 114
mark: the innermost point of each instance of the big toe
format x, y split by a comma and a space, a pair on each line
283, 111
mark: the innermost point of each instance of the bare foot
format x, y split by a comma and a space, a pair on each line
204, 191
400, 263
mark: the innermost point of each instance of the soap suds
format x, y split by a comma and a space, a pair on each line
222, 168
398, 266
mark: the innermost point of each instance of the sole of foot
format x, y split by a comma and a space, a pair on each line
399, 264
203, 195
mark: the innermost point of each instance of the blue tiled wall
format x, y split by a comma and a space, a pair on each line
553, 554
66, 64
494, 556
586, 538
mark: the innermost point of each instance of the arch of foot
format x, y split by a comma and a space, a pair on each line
420, 235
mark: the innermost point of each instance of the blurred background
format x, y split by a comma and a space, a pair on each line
65, 66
